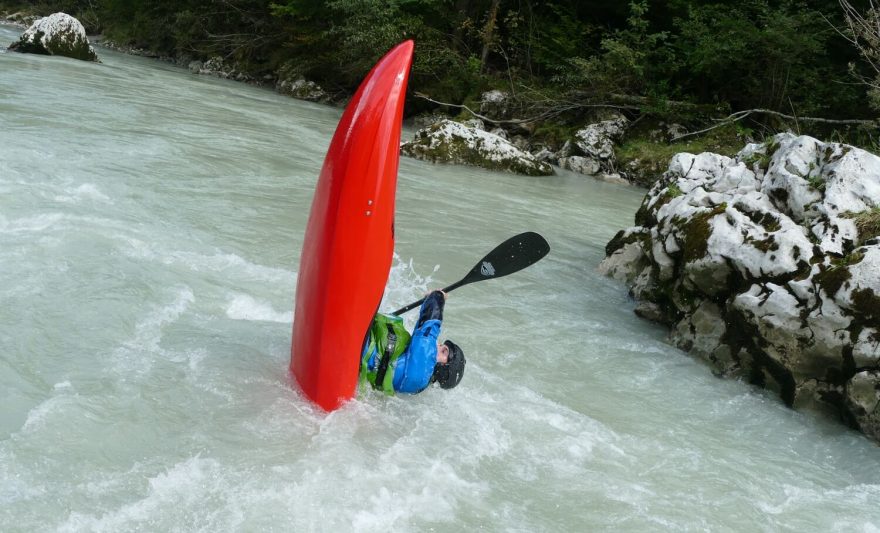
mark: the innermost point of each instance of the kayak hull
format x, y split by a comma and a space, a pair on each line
349, 238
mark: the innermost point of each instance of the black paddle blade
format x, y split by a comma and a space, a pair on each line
512, 255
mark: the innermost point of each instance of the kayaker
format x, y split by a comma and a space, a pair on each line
395, 361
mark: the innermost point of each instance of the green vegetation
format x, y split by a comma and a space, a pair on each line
645, 158
697, 231
867, 303
689, 62
867, 222
834, 276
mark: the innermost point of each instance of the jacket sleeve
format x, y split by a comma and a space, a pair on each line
416, 366
432, 308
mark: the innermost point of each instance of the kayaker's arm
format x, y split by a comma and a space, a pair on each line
432, 308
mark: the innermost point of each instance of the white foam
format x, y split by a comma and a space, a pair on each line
148, 332
197, 262
246, 307
176, 493
32, 224
86, 191
405, 285
40, 414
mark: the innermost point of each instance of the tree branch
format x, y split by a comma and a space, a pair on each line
739, 115
554, 111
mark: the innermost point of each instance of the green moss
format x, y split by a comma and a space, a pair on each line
673, 191
765, 245
622, 239
867, 222
831, 279
696, 231
768, 221
867, 303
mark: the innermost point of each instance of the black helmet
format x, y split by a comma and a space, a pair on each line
450, 374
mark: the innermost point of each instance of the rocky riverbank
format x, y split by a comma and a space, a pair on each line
767, 266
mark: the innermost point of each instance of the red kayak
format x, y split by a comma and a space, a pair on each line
349, 239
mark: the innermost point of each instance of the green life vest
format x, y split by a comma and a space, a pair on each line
389, 338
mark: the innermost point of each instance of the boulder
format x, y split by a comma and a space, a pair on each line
217, 66
58, 34
290, 80
591, 151
580, 164
597, 140
453, 142
495, 104
767, 265
302, 89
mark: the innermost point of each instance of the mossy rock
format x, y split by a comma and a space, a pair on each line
696, 231
57, 35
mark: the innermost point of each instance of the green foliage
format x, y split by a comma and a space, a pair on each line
626, 60
776, 52
725, 55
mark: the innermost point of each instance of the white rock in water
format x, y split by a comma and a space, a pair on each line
58, 34
759, 263
452, 142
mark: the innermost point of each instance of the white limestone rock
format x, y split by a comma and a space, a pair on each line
863, 399
625, 255
58, 34
452, 142
597, 140
760, 260
581, 165
302, 89
495, 104
594, 148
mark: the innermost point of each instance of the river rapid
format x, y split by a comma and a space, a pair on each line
150, 228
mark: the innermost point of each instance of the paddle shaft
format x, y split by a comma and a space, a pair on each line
513, 255
417, 303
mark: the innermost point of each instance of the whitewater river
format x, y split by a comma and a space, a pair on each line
150, 228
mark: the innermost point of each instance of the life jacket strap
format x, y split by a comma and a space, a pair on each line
382, 369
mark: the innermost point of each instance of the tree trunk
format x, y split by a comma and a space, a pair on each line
462, 8
489, 33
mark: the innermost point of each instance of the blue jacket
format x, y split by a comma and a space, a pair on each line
415, 366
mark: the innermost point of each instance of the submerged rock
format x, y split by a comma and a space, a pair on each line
58, 34
767, 265
452, 142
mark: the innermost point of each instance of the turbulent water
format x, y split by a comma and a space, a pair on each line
150, 227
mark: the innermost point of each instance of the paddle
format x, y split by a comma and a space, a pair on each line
512, 255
